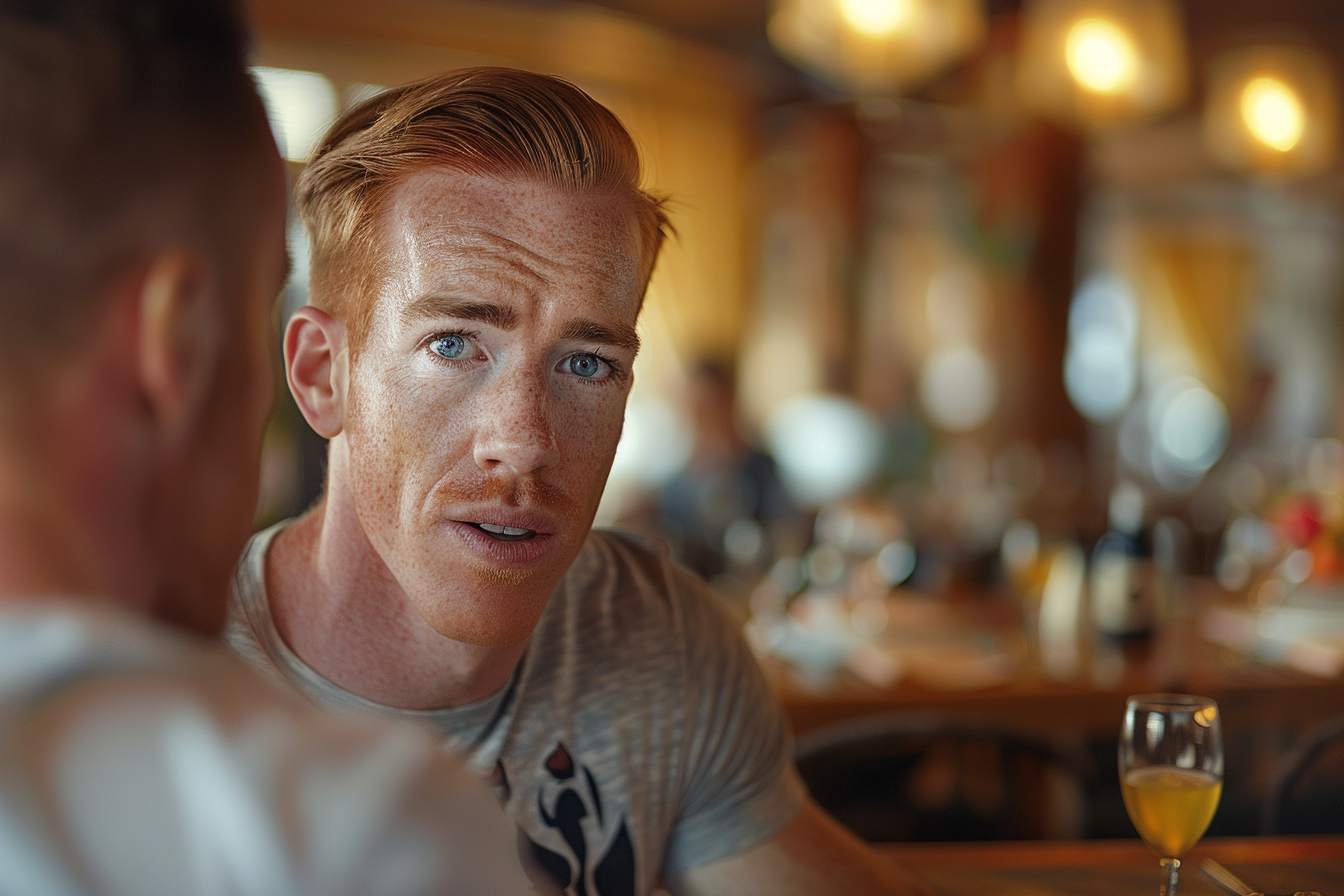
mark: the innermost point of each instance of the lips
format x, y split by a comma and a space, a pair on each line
507, 536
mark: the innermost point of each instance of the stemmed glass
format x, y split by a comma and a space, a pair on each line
1171, 773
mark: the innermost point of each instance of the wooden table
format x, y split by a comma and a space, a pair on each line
1120, 867
1179, 659
1265, 709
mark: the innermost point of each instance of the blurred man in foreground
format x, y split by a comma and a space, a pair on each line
141, 248
481, 248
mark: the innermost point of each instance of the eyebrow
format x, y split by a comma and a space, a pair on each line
432, 306
620, 336
505, 318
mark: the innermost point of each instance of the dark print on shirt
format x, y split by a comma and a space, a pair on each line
569, 803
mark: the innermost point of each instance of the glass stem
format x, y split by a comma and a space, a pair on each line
1173, 868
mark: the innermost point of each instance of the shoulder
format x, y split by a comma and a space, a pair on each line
614, 552
628, 617
107, 676
125, 712
632, 581
108, 660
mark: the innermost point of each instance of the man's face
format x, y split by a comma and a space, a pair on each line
485, 407
208, 496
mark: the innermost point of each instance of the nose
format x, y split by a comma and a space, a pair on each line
516, 436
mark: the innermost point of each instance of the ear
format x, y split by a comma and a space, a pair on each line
317, 368
178, 338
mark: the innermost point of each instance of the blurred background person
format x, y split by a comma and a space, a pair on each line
727, 509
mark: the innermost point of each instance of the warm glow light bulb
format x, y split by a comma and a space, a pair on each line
876, 18
1101, 56
1273, 113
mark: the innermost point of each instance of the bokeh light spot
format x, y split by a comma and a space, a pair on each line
876, 18
1273, 113
1101, 56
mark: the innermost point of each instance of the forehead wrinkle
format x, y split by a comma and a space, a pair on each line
480, 248
477, 244
477, 241
450, 237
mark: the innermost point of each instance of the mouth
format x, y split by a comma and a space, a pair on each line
504, 533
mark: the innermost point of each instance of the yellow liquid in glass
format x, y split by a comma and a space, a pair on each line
1171, 807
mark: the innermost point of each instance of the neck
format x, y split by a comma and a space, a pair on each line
69, 520
36, 559
339, 608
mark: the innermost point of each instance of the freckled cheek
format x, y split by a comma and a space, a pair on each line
392, 437
421, 425
588, 437
429, 436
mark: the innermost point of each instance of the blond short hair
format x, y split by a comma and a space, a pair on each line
492, 122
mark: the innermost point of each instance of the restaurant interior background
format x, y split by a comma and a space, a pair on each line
989, 378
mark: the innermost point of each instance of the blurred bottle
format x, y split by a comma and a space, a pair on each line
1171, 559
1122, 580
1025, 562
1061, 609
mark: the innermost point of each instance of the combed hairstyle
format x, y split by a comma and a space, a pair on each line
491, 122
120, 126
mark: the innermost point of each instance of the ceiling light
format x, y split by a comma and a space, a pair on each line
874, 47
1273, 113
1101, 56
877, 18
1272, 110
1101, 63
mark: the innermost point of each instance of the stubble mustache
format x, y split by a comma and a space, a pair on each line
522, 493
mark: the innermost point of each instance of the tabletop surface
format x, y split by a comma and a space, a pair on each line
1121, 867
1177, 659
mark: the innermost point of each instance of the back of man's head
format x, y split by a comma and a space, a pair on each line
116, 119
141, 244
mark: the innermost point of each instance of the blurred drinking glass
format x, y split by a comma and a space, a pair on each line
1171, 773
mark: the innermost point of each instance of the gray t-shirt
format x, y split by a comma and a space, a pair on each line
636, 737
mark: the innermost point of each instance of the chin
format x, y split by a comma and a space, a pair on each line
490, 617
483, 633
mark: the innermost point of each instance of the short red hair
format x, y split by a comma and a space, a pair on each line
492, 122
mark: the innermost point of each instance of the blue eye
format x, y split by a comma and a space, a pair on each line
586, 366
449, 347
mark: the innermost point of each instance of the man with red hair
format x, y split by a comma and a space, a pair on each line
481, 249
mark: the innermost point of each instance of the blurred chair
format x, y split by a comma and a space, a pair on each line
918, 778
1308, 792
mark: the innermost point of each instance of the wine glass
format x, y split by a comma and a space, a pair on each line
1171, 773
